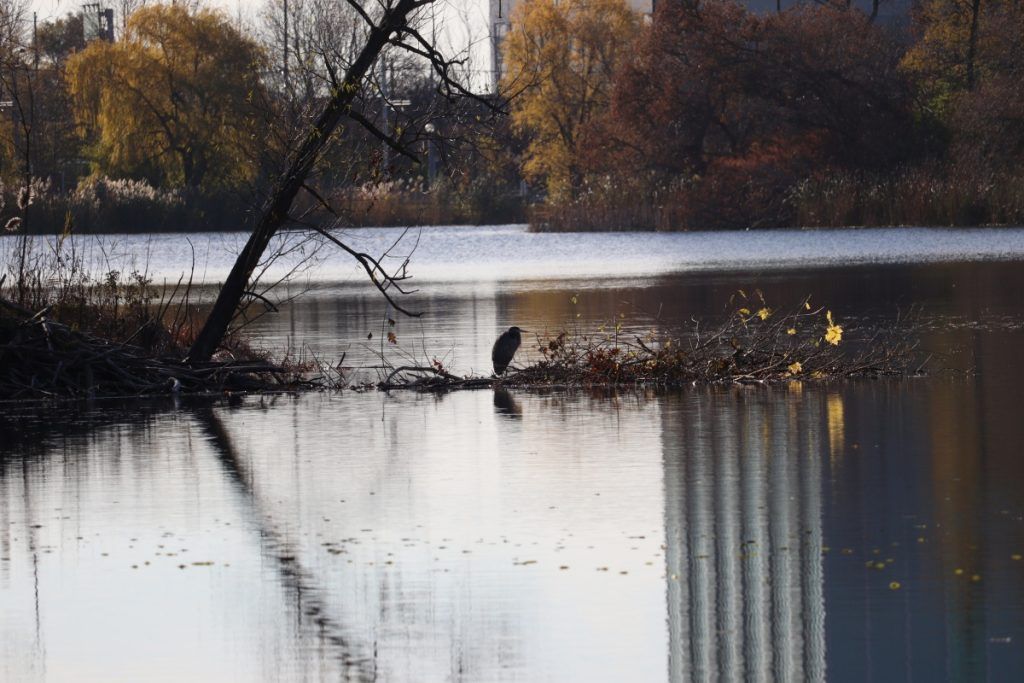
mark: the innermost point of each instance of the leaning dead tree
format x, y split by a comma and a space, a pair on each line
391, 24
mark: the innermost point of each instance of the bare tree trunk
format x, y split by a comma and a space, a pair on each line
287, 186
972, 43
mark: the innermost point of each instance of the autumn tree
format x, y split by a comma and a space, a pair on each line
946, 54
178, 100
987, 120
560, 56
732, 108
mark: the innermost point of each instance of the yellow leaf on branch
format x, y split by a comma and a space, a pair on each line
833, 333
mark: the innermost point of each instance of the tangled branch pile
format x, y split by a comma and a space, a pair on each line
41, 358
763, 345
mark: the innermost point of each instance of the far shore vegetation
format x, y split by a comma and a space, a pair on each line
703, 116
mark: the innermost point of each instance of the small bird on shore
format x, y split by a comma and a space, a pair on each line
505, 348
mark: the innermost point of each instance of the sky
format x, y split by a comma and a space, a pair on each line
49, 9
464, 22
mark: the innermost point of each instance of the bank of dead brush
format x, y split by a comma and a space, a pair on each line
41, 358
753, 345
67, 334
64, 334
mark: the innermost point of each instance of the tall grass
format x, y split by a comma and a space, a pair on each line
119, 303
919, 196
398, 203
922, 196
107, 206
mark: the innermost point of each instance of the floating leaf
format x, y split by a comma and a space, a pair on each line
392, 339
895, 586
791, 331
744, 311
764, 313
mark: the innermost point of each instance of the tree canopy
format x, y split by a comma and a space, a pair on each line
560, 57
178, 101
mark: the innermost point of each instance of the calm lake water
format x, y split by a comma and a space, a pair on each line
862, 531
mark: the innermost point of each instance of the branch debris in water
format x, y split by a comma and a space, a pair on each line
750, 346
44, 359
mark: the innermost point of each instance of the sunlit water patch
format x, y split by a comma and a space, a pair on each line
471, 254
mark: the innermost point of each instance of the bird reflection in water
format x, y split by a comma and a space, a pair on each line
504, 404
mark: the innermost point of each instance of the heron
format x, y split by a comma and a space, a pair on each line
505, 348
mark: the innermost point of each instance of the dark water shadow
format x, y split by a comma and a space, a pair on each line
506, 405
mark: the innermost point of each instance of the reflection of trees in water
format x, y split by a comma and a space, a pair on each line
385, 607
309, 598
744, 534
31, 439
35, 439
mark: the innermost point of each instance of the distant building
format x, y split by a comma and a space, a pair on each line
895, 12
97, 23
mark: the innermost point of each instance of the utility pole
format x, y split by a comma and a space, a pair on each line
285, 70
383, 87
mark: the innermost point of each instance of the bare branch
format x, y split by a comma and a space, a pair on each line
371, 266
380, 135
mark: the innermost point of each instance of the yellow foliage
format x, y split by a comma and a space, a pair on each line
943, 57
764, 313
795, 368
833, 333
176, 98
561, 54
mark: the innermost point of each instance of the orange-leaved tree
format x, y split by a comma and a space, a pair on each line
560, 56
178, 100
723, 111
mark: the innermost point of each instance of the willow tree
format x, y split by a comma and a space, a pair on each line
177, 100
560, 56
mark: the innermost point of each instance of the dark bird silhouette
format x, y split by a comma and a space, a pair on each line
504, 349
